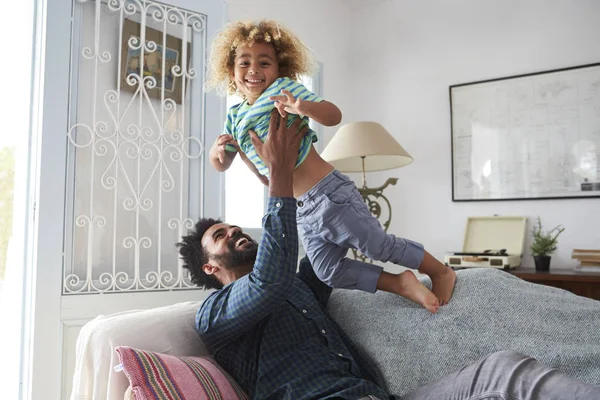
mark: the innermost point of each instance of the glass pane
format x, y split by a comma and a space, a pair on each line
307, 81
311, 83
244, 196
7, 174
14, 204
135, 144
244, 193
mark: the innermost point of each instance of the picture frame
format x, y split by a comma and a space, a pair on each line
527, 137
130, 61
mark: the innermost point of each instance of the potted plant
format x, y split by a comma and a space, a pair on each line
544, 244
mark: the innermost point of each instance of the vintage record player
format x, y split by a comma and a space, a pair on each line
492, 242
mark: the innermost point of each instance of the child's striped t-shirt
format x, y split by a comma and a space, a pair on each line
244, 117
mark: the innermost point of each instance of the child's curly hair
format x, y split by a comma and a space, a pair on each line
293, 56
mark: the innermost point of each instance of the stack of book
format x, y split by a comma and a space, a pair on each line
589, 259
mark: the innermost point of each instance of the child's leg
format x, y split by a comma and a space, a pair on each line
335, 269
407, 285
442, 277
347, 222
331, 266
370, 238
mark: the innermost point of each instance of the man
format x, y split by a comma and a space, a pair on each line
269, 328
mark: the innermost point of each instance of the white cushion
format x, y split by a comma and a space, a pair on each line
168, 330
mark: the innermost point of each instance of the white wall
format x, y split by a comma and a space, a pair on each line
325, 26
408, 52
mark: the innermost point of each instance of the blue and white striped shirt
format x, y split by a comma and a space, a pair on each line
244, 117
271, 332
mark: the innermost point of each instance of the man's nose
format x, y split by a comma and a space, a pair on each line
233, 230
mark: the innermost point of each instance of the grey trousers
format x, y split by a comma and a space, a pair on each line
506, 375
332, 218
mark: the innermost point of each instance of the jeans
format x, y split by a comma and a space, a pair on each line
506, 375
332, 218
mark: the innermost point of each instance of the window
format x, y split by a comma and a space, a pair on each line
136, 168
15, 205
245, 195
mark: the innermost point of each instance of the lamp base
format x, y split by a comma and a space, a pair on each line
372, 197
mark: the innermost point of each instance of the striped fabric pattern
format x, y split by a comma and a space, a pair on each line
244, 117
166, 377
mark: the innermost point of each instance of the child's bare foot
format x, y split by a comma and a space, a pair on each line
411, 288
443, 284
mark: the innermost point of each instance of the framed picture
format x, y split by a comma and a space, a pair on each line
526, 137
153, 61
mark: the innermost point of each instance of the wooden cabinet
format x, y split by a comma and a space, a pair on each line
585, 284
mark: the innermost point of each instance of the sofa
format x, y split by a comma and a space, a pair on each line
491, 310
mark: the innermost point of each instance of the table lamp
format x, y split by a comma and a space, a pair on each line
367, 146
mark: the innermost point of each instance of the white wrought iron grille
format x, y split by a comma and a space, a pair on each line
135, 144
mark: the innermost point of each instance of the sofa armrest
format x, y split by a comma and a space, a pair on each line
168, 330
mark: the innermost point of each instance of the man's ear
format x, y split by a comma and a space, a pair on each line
209, 269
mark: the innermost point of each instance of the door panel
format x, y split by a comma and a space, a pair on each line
122, 167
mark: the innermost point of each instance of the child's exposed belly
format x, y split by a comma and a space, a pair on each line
310, 172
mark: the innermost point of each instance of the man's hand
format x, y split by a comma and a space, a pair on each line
280, 152
286, 103
280, 149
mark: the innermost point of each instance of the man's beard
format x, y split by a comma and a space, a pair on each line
235, 257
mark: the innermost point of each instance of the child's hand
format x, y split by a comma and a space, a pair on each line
287, 103
220, 144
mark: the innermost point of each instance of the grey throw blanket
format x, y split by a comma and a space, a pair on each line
491, 310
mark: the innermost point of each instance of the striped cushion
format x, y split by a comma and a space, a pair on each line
162, 376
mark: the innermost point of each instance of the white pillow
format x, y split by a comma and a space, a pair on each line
168, 330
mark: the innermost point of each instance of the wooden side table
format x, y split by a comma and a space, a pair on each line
585, 284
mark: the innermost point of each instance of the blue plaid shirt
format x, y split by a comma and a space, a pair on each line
270, 329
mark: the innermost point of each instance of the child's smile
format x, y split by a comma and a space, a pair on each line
255, 68
254, 81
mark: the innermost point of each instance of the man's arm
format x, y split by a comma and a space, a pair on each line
233, 310
230, 312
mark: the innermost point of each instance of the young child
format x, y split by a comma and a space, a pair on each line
262, 62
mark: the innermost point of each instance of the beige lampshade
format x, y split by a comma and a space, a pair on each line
369, 139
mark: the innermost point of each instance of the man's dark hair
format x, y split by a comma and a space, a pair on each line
194, 255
